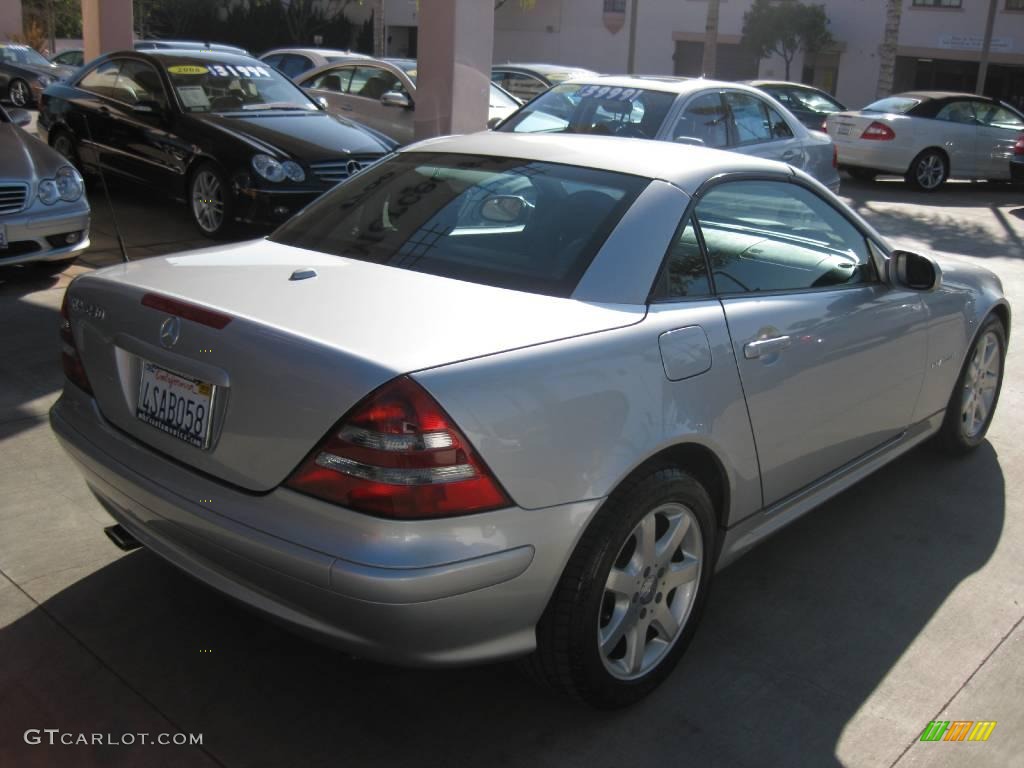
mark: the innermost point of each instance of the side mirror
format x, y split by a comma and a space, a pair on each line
914, 271
395, 99
322, 103
147, 108
20, 117
494, 122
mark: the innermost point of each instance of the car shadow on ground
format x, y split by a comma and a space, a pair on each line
941, 226
797, 636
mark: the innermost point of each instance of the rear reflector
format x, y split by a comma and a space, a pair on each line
186, 311
398, 454
69, 357
878, 132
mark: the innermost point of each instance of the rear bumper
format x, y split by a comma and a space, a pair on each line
439, 592
29, 233
876, 155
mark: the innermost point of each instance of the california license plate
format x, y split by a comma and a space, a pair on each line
843, 129
178, 405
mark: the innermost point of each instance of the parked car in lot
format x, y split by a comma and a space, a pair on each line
44, 216
69, 57
691, 111
233, 137
294, 61
503, 395
381, 93
525, 81
24, 73
928, 137
811, 106
1017, 161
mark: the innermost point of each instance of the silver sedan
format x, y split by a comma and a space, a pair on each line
505, 395
686, 111
44, 216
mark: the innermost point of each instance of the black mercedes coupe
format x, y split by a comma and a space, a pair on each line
239, 142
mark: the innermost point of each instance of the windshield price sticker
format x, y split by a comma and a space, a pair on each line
193, 96
239, 70
608, 92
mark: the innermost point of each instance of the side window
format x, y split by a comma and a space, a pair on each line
685, 273
335, 80
999, 117
522, 86
705, 120
780, 128
373, 82
102, 80
749, 118
957, 112
274, 60
294, 65
779, 236
138, 81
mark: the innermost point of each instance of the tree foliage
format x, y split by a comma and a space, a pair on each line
65, 14
784, 28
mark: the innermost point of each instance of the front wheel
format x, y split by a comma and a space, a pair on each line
210, 201
928, 171
631, 596
973, 402
19, 94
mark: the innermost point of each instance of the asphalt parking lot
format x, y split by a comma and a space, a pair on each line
834, 643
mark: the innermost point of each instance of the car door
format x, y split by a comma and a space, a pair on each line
831, 358
90, 118
140, 128
331, 86
955, 128
998, 131
704, 121
362, 102
758, 129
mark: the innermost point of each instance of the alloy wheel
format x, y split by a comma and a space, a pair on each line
208, 201
930, 171
19, 93
980, 385
650, 591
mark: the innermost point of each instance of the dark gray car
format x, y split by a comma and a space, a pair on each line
24, 73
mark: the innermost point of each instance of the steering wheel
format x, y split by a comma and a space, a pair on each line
630, 131
230, 101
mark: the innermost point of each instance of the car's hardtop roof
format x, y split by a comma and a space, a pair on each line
759, 83
319, 51
545, 68
935, 95
683, 165
193, 55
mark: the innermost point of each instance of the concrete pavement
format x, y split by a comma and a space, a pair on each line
834, 643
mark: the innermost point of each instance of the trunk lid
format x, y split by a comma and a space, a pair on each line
848, 127
296, 354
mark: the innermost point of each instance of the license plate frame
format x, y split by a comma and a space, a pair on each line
170, 391
843, 129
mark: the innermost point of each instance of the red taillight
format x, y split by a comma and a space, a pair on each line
69, 357
185, 310
1018, 148
398, 454
878, 132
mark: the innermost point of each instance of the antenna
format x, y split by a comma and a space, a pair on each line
106, 193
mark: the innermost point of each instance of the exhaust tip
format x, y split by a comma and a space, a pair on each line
120, 536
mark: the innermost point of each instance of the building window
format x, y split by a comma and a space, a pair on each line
939, 3
614, 6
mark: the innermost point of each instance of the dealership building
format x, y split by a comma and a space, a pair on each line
939, 43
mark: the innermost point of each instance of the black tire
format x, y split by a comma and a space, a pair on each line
19, 94
928, 171
199, 176
568, 657
63, 141
954, 437
862, 174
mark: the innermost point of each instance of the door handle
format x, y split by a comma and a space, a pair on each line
790, 155
765, 346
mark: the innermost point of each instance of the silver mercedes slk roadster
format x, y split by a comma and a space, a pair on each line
517, 395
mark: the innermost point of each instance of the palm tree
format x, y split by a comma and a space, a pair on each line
887, 50
707, 67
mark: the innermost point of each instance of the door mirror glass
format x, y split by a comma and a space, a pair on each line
504, 209
146, 108
321, 102
395, 99
20, 117
914, 271
493, 123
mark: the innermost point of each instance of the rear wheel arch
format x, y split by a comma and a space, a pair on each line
920, 152
1002, 311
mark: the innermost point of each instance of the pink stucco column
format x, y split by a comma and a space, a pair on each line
106, 26
456, 43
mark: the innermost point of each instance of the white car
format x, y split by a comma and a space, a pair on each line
292, 62
928, 137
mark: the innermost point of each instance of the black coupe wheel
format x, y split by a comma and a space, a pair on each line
973, 402
631, 596
19, 94
210, 201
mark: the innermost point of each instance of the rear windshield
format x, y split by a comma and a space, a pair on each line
597, 109
504, 222
895, 104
